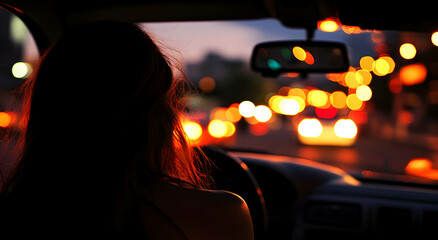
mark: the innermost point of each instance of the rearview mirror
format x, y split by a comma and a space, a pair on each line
274, 58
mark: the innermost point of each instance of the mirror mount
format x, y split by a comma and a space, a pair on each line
310, 32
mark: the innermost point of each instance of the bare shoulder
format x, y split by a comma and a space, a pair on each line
232, 219
207, 214
223, 203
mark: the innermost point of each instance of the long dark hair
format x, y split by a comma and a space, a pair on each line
102, 113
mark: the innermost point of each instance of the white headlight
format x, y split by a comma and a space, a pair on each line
345, 128
310, 127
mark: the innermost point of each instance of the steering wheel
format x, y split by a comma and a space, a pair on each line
231, 174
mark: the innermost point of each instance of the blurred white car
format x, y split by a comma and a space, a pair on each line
327, 132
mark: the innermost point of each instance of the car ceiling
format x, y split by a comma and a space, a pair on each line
52, 15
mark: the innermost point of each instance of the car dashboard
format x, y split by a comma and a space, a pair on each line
309, 200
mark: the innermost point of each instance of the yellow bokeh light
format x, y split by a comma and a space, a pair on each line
345, 128
364, 93
363, 77
328, 25
217, 128
21, 70
317, 98
390, 61
193, 130
352, 79
366, 63
353, 102
381, 67
408, 51
299, 53
231, 129
246, 109
434, 38
310, 127
289, 106
262, 113
338, 99
274, 103
298, 92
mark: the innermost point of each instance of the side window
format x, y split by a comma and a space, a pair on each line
18, 52
18, 57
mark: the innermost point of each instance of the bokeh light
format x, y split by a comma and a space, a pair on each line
207, 84
219, 113
421, 167
231, 129
390, 62
413, 74
309, 58
345, 128
328, 25
317, 98
5, 119
298, 92
381, 67
289, 106
364, 93
274, 103
310, 127
217, 128
366, 63
353, 102
246, 109
262, 113
408, 51
326, 113
418, 164
434, 38
21, 70
232, 113
299, 53
351, 79
338, 99
193, 130
363, 77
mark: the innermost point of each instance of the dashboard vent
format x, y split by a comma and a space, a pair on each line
429, 223
334, 214
392, 220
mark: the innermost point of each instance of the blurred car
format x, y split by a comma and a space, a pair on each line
327, 132
384, 187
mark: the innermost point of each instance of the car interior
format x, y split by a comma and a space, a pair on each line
290, 196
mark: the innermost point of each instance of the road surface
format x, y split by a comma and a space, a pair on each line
367, 154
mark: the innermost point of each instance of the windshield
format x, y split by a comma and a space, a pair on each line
379, 117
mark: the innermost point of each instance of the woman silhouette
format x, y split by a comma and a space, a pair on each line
104, 153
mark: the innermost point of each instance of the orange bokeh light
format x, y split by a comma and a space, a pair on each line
413, 74
309, 58
5, 119
421, 167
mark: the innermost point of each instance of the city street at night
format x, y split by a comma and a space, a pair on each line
368, 153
